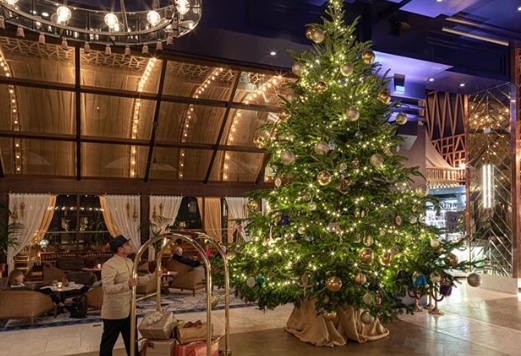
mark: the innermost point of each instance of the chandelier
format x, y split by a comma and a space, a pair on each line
139, 24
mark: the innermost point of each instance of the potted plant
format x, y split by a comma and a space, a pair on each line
7, 231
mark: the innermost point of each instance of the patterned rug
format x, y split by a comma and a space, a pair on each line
176, 301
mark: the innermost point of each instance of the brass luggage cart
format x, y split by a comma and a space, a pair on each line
191, 238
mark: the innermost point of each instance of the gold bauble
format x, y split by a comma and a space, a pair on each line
318, 35
252, 204
366, 256
377, 160
346, 69
287, 158
384, 96
386, 258
368, 57
401, 118
451, 259
309, 33
422, 190
333, 284
360, 278
330, 316
283, 115
324, 178
474, 280
368, 240
352, 114
325, 300
367, 318
435, 243
320, 87
297, 69
261, 139
322, 148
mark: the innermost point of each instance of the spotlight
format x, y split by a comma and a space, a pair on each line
431, 79
462, 85
273, 53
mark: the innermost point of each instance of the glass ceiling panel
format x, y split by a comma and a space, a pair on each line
242, 125
117, 71
189, 123
111, 116
261, 89
231, 166
180, 163
44, 111
38, 157
198, 81
114, 161
31, 60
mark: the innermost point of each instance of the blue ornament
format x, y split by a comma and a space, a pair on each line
419, 280
284, 220
374, 287
260, 280
332, 145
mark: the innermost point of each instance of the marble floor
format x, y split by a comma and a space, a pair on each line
476, 322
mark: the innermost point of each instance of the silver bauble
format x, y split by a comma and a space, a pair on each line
297, 69
377, 160
322, 148
346, 69
312, 206
367, 298
287, 158
422, 190
401, 118
318, 35
474, 280
352, 114
367, 318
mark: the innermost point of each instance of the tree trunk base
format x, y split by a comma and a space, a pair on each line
308, 327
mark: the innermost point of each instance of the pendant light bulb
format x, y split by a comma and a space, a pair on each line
65, 45
145, 49
41, 39
20, 32
127, 50
86, 48
108, 50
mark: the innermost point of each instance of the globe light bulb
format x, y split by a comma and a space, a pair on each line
64, 13
153, 18
11, 2
182, 6
111, 20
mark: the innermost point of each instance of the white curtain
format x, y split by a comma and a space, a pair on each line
163, 212
125, 213
28, 210
237, 209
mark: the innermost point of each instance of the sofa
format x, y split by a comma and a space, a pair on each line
189, 278
24, 304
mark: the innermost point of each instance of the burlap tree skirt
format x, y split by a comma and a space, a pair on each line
308, 327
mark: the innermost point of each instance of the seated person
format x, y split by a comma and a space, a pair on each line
178, 256
16, 281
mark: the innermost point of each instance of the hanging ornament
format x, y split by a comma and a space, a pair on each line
309, 33
312, 206
252, 205
318, 35
388, 152
284, 115
250, 282
333, 284
474, 280
413, 219
352, 114
287, 158
419, 280
324, 178
346, 69
278, 182
451, 259
260, 280
384, 96
344, 184
284, 220
330, 316
367, 318
366, 256
435, 243
355, 163
398, 220
374, 287
360, 278
309, 238
402, 275
320, 87
368, 240
368, 57
343, 166
401, 118
333, 227
435, 277
367, 299
358, 239
261, 139
297, 69
357, 213
301, 230
377, 160
422, 190
386, 258
359, 135
332, 145
322, 148
395, 250
308, 280
325, 300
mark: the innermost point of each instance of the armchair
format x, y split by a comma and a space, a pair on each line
24, 304
51, 273
187, 277
95, 298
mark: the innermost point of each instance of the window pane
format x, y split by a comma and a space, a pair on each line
107, 160
189, 123
198, 81
38, 157
180, 163
242, 125
117, 71
31, 60
111, 116
233, 166
261, 89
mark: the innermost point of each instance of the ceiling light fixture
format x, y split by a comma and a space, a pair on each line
273, 53
144, 25
462, 85
431, 79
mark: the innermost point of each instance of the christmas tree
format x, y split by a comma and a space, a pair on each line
344, 223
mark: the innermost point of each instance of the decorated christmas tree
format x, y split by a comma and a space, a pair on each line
344, 224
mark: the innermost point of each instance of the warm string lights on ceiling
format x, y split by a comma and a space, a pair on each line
135, 116
256, 94
189, 115
15, 119
493, 119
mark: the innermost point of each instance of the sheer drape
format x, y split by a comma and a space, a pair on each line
163, 212
237, 209
46, 221
210, 210
125, 213
107, 217
28, 210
